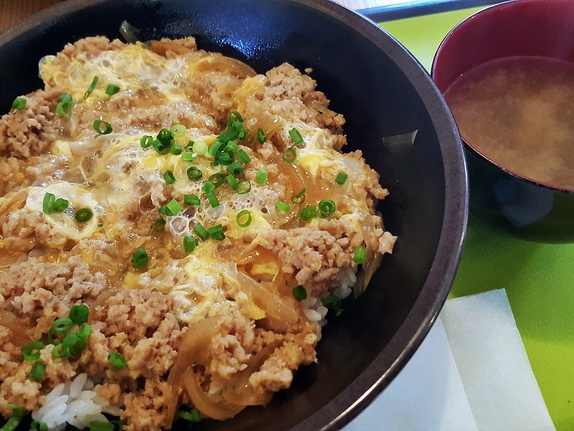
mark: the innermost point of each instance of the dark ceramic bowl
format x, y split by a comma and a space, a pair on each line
382, 91
504, 199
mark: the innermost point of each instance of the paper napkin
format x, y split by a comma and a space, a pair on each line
470, 373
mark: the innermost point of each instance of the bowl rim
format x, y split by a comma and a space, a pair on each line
409, 335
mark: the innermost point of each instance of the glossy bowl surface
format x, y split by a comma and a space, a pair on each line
501, 198
382, 91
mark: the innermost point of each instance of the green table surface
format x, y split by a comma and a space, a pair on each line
538, 278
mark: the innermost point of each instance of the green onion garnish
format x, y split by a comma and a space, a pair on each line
232, 181
64, 106
73, 345
282, 206
236, 168
83, 215
164, 136
299, 198
38, 426
193, 416
296, 136
60, 204
160, 147
117, 360
159, 225
261, 177
31, 351
188, 243
101, 426
37, 372
79, 314
360, 255
208, 187
84, 331
169, 177
200, 231
187, 157
243, 156
289, 155
309, 212
146, 141
48, 203
173, 207
112, 89
98, 127
299, 293
178, 130
243, 187
18, 413
213, 201
140, 258
261, 135
333, 302
194, 173
341, 178
62, 325
216, 179
19, 103
191, 200
327, 207
91, 87
176, 150
243, 218
216, 232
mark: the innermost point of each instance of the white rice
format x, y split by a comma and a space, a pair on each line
76, 403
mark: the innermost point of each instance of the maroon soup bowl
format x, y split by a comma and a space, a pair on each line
502, 198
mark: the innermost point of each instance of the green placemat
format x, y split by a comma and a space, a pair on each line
538, 278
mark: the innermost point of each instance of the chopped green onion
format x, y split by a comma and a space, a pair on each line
176, 150
193, 416
73, 345
231, 147
282, 206
187, 157
58, 351
61, 204
98, 127
48, 203
216, 179
200, 231
79, 314
189, 146
296, 136
236, 168
194, 173
159, 225
91, 87
360, 255
31, 351
213, 201
216, 232
112, 89
232, 181
289, 155
18, 413
299, 293
64, 106
243, 218
243, 156
309, 213
191, 200
169, 177
215, 147
62, 325
65, 97
208, 187
178, 130
327, 207
162, 148
164, 136
117, 360
299, 198
333, 302
38, 426
101, 426
146, 141
341, 178
243, 187
173, 207
84, 331
140, 258
261, 135
83, 215
261, 177
19, 103
37, 372
188, 243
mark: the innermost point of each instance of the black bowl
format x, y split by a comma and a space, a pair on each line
382, 91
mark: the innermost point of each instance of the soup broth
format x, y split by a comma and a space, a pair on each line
519, 113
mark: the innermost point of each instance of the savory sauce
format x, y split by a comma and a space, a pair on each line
519, 113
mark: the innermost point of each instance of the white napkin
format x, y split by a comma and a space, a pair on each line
470, 373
